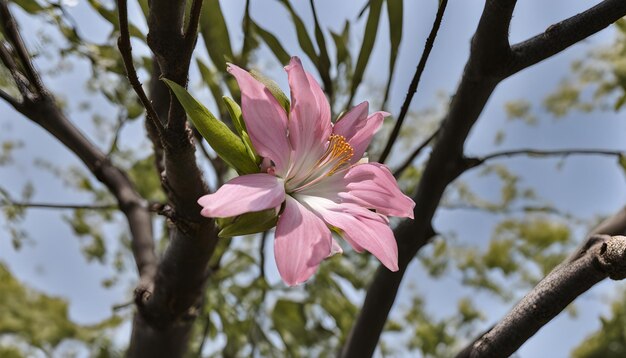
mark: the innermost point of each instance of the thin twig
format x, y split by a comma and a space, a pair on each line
415, 82
35, 205
13, 36
123, 43
121, 121
194, 19
545, 153
416, 152
205, 333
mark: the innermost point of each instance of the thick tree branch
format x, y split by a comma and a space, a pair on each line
566, 33
166, 315
489, 44
430, 41
491, 60
602, 255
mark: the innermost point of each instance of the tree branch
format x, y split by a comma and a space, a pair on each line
36, 205
7, 60
9, 99
602, 255
407, 163
165, 316
430, 41
13, 35
566, 33
194, 19
473, 162
490, 61
44, 111
126, 50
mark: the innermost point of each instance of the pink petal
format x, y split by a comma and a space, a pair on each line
265, 119
361, 140
373, 186
309, 120
358, 128
362, 228
302, 242
246, 193
351, 122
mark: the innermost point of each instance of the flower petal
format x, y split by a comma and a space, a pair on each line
373, 186
302, 242
361, 140
351, 122
362, 228
246, 193
309, 120
358, 128
266, 120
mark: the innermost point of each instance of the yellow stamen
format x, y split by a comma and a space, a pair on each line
337, 154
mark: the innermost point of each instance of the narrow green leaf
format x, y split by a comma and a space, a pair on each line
303, 36
209, 77
215, 33
225, 143
394, 12
369, 37
323, 61
240, 126
248, 223
273, 88
341, 44
30, 6
235, 114
272, 42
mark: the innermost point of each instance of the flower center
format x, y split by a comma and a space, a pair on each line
336, 157
337, 154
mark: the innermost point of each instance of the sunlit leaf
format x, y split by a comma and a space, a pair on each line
225, 143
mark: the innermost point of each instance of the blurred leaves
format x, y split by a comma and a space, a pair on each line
609, 341
42, 321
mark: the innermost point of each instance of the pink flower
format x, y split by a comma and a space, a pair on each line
314, 168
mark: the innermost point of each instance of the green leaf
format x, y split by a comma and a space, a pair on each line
341, 44
240, 127
303, 36
30, 6
215, 34
248, 223
369, 37
225, 143
394, 12
273, 88
323, 61
272, 42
